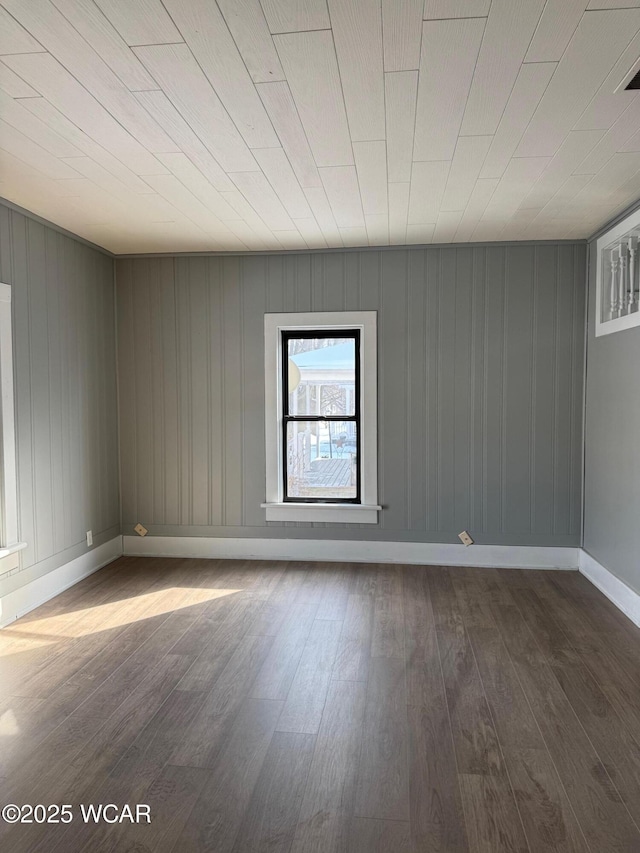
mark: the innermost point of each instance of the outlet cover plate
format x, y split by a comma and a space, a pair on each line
140, 529
465, 538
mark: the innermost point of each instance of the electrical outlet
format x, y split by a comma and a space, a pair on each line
140, 530
465, 538
89, 538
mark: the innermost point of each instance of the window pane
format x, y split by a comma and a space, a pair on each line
322, 376
321, 459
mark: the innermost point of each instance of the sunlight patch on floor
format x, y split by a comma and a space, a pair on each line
34, 633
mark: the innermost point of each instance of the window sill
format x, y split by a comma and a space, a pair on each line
11, 549
332, 513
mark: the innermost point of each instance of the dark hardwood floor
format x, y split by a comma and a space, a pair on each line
324, 708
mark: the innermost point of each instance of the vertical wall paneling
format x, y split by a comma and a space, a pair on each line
65, 388
494, 391
462, 396
517, 375
480, 376
393, 376
416, 383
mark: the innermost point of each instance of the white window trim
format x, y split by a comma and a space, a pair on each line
276, 508
630, 226
8, 478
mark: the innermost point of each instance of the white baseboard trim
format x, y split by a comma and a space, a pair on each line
15, 604
425, 553
624, 598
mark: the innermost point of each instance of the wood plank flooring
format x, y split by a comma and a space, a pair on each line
324, 708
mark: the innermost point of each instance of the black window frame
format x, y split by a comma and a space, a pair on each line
287, 417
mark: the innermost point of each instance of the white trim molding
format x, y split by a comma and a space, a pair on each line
8, 477
15, 604
617, 277
276, 509
355, 551
625, 599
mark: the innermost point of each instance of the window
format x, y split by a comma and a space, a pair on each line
8, 484
618, 277
320, 382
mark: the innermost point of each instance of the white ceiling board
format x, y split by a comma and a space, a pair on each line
354, 237
398, 213
205, 31
250, 32
319, 204
465, 169
341, 186
54, 120
520, 175
272, 124
149, 204
282, 111
53, 30
49, 78
182, 80
402, 33
116, 206
163, 111
440, 9
109, 45
607, 183
13, 85
276, 167
259, 193
518, 225
567, 192
14, 38
193, 179
371, 165
593, 50
30, 152
170, 188
487, 229
573, 150
446, 226
612, 142
311, 233
449, 52
357, 34
377, 225
428, 182
475, 208
607, 105
248, 236
309, 61
141, 22
614, 4
14, 169
507, 35
290, 16
26, 122
632, 144
556, 26
400, 101
239, 203
420, 233
529, 87
291, 240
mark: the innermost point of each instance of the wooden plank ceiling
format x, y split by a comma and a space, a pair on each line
190, 125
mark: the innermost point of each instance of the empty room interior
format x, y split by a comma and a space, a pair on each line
319, 426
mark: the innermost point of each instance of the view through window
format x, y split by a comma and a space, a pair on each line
321, 399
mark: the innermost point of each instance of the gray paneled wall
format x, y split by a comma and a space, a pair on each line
612, 446
480, 388
65, 390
